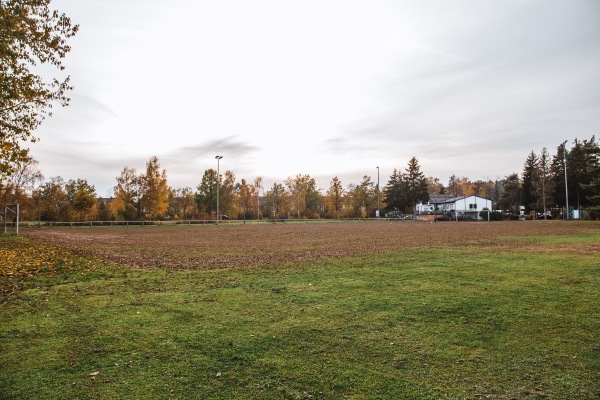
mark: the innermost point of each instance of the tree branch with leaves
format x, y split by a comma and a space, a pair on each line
30, 35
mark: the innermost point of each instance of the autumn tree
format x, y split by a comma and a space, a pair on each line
363, 198
154, 198
486, 189
32, 37
21, 182
22, 187
470, 190
303, 189
54, 201
227, 195
181, 203
457, 186
126, 204
256, 189
434, 186
206, 194
334, 198
245, 197
82, 198
276, 201
104, 212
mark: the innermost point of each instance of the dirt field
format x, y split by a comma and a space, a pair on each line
181, 247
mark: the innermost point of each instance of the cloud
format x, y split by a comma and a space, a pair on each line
228, 146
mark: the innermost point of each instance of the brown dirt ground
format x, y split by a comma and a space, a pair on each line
200, 247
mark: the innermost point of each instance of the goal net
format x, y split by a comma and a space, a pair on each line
11, 218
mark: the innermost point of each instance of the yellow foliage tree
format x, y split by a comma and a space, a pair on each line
155, 191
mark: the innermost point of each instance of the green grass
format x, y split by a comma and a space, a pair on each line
414, 324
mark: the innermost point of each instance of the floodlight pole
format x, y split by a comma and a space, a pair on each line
218, 158
378, 195
566, 187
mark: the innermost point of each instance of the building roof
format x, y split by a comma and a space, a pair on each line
445, 198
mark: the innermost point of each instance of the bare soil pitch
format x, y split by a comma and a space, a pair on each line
202, 247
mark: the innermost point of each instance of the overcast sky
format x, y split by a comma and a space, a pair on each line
326, 88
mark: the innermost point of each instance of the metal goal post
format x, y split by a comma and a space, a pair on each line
11, 211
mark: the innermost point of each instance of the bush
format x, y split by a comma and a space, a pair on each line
494, 215
594, 213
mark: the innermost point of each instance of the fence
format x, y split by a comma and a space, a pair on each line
73, 224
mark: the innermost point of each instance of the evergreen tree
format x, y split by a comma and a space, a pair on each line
416, 184
580, 164
544, 183
510, 194
529, 196
394, 192
592, 187
557, 169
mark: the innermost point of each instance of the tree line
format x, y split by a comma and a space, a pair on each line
540, 188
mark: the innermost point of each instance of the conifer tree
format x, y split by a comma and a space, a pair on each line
416, 184
529, 196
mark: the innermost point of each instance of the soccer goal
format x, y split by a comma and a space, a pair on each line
11, 218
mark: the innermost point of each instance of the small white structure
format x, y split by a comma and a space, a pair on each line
455, 207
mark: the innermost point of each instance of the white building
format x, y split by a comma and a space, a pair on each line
454, 207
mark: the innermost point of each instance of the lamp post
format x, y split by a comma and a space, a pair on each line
378, 195
566, 186
218, 158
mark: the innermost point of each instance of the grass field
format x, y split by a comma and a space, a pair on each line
315, 311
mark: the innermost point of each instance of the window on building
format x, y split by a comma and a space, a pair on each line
473, 206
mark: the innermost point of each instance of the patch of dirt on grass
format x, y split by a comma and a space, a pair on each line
200, 247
